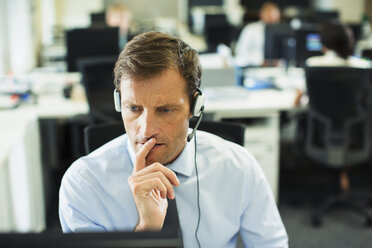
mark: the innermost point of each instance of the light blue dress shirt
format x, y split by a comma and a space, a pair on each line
235, 196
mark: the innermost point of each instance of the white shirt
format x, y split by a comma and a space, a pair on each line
250, 46
234, 194
330, 58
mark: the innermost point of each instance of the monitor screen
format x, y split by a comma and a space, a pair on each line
193, 3
169, 238
356, 28
279, 41
257, 4
98, 18
313, 42
307, 44
91, 42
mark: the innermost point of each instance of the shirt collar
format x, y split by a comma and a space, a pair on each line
331, 54
182, 165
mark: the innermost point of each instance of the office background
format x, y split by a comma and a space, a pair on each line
48, 130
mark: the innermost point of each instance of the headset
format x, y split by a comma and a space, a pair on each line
197, 108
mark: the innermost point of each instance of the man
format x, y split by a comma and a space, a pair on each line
118, 15
124, 185
250, 46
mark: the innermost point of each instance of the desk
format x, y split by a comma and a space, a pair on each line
263, 133
21, 194
21, 187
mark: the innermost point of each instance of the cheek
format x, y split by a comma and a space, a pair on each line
129, 125
180, 128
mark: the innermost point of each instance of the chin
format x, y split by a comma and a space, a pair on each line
150, 159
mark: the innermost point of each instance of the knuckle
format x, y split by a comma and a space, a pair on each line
158, 174
158, 166
135, 188
158, 181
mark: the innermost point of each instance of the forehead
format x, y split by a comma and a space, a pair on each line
165, 85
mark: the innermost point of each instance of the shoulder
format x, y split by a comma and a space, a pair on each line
313, 59
317, 61
224, 152
359, 63
99, 162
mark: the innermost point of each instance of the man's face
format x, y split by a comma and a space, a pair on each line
157, 107
270, 15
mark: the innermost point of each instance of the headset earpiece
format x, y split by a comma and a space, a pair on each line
197, 110
117, 100
198, 103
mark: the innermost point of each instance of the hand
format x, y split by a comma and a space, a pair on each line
150, 186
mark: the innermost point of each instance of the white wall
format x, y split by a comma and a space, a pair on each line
76, 13
4, 51
148, 9
20, 35
350, 10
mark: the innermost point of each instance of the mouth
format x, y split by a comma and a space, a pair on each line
155, 147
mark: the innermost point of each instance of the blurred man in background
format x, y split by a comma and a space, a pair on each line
118, 15
250, 47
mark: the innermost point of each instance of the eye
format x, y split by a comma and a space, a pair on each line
165, 110
134, 108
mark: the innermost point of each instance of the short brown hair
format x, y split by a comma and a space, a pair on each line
151, 53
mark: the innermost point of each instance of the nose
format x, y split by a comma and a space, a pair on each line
148, 125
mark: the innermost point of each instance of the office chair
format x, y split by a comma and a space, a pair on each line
338, 128
96, 136
230, 131
97, 78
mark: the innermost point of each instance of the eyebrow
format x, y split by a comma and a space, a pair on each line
165, 105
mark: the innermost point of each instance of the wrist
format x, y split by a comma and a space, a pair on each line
141, 227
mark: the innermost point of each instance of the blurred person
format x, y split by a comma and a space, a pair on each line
337, 46
250, 46
119, 15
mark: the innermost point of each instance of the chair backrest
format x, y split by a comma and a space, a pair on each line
230, 131
97, 78
338, 129
96, 136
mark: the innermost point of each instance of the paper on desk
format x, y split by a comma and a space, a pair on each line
225, 93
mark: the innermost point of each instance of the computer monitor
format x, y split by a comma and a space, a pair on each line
319, 16
217, 30
169, 238
193, 3
98, 18
91, 42
307, 44
257, 4
279, 42
357, 30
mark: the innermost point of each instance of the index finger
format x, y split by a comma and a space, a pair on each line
142, 154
